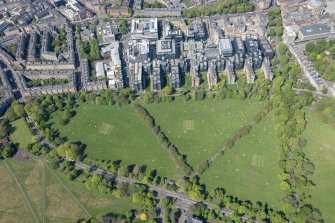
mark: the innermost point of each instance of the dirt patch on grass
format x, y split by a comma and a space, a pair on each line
188, 125
105, 128
257, 161
22, 156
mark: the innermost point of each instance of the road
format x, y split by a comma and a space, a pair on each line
108, 175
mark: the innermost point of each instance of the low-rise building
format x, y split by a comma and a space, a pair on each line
313, 31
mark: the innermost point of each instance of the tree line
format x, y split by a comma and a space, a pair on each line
220, 7
236, 136
179, 159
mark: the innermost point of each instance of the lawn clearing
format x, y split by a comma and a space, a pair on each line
12, 205
64, 201
199, 129
249, 170
113, 133
320, 149
21, 133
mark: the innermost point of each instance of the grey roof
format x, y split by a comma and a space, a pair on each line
314, 29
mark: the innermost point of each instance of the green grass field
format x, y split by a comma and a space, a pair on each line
113, 133
249, 170
199, 129
41, 194
320, 149
21, 133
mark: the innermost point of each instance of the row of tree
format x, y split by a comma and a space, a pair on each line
297, 169
236, 136
220, 7
178, 158
275, 22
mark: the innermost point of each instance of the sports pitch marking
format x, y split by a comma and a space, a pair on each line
257, 160
105, 129
188, 125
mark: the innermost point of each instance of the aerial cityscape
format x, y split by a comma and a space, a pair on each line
167, 111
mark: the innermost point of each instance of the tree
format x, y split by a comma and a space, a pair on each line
70, 151
143, 217
149, 98
94, 50
8, 151
123, 27
3, 131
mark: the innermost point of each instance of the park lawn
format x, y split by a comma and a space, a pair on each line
52, 197
249, 170
21, 133
12, 206
320, 149
113, 133
97, 203
200, 128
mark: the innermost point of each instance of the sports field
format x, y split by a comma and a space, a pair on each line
320, 149
199, 129
31, 191
249, 170
21, 133
113, 133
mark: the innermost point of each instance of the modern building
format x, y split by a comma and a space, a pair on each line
226, 47
166, 49
144, 29
196, 30
138, 51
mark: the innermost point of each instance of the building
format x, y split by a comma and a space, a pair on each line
158, 12
263, 4
230, 72
169, 33
166, 49
289, 35
249, 71
266, 47
144, 29
313, 31
266, 67
87, 83
318, 7
196, 30
156, 84
118, 11
174, 74
212, 77
21, 48
46, 54
32, 47
254, 52
226, 47
138, 51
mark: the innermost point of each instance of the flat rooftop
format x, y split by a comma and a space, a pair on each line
314, 29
